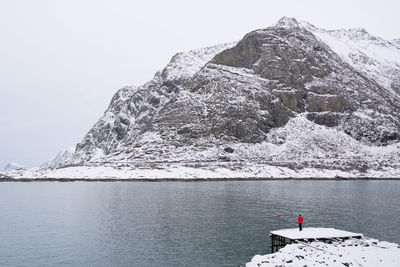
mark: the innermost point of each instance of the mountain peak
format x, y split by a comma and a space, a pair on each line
287, 22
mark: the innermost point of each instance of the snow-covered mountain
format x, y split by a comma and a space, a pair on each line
13, 166
292, 96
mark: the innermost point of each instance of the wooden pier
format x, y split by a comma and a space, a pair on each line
280, 238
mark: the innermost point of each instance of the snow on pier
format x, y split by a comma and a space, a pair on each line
314, 233
281, 238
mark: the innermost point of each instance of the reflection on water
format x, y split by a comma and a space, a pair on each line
179, 223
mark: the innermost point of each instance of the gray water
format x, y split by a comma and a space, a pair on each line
179, 223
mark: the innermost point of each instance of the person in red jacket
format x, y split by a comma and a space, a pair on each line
300, 220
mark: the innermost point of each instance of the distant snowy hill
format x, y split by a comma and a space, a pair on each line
290, 100
13, 166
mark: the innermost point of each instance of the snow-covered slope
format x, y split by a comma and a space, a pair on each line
291, 96
373, 56
300, 149
63, 158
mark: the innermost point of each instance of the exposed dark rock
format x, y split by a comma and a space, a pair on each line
328, 119
332, 103
229, 150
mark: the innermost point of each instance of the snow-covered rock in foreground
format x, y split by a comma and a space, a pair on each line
351, 252
13, 166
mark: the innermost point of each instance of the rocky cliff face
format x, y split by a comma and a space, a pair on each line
244, 101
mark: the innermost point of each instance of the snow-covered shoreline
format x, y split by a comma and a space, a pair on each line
215, 171
351, 252
8, 179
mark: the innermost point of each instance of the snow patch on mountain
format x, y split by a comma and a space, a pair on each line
184, 65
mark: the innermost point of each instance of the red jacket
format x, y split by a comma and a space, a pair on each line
300, 219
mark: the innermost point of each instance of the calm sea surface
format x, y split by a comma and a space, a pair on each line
179, 223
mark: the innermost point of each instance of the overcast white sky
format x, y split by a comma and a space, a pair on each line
61, 61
